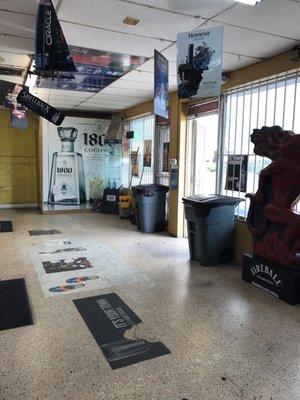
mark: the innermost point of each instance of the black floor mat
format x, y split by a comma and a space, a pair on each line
6, 226
43, 232
14, 304
108, 318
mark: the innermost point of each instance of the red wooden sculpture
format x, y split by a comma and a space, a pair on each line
272, 219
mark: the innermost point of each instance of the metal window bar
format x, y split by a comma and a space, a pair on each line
281, 95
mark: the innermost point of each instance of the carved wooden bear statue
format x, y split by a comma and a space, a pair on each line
272, 218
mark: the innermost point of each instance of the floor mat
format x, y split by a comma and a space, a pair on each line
14, 304
108, 318
6, 226
43, 232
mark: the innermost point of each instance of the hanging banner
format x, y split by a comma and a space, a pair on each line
237, 171
95, 69
9, 92
40, 107
19, 118
51, 50
199, 63
147, 153
114, 132
161, 85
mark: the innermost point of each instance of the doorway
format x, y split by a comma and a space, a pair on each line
201, 175
202, 150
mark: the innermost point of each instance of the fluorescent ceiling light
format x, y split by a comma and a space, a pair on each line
249, 2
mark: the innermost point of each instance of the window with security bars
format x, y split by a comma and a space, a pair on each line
268, 103
139, 157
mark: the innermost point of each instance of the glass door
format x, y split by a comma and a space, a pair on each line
201, 155
202, 150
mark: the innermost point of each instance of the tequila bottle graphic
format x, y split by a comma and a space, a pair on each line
67, 182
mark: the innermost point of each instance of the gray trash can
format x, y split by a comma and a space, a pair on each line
210, 221
150, 206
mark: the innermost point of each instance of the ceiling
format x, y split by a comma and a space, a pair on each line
250, 35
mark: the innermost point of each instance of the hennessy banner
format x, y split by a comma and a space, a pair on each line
199, 63
40, 107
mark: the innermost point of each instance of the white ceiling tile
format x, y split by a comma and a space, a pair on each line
171, 53
98, 107
109, 14
69, 93
138, 86
252, 44
17, 24
23, 6
148, 66
130, 92
204, 8
232, 62
15, 60
110, 41
138, 76
14, 79
115, 101
121, 97
279, 17
42, 92
16, 44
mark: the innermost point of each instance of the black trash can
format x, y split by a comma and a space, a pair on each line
210, 221
150, 206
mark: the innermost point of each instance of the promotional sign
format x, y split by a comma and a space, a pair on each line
9, 92
147, 153
134, 163
237, 171
199, 63
78, 165
52, 53
108, 318
272, 278
18, 118
95, 69
114, 132
161, 85
63, 266
40, 107
81, 265
166, 157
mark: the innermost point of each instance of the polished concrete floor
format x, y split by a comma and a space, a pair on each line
228, 340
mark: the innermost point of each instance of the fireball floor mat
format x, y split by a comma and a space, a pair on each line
44, 232
108, 318
14, 304
6, 226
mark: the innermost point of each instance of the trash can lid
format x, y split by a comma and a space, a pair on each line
211, 200
150, 188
